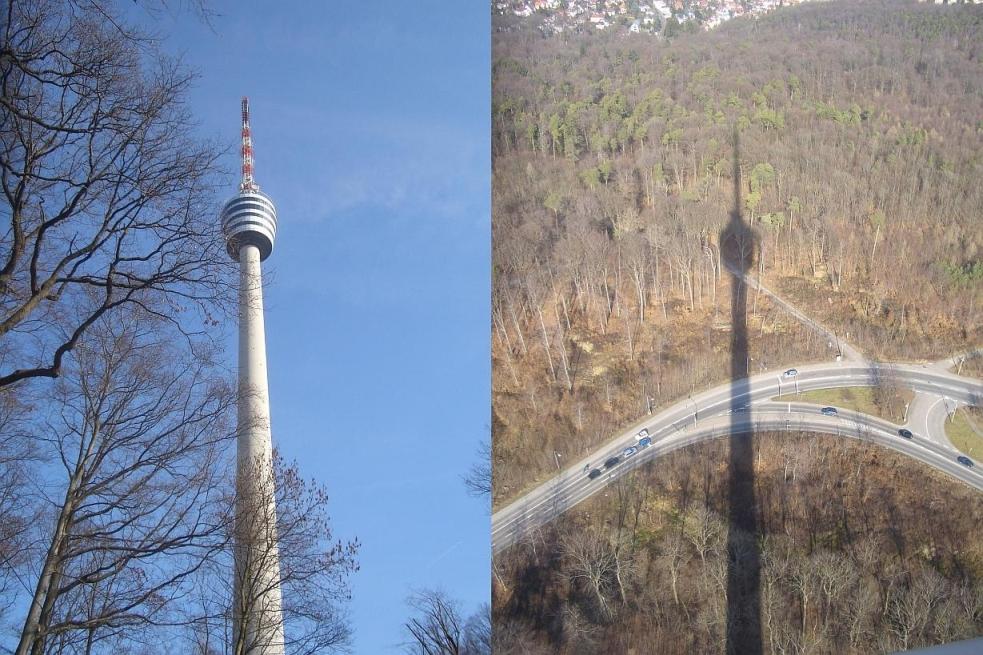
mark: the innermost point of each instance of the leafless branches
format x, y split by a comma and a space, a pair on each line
437, 627
108, 199
284, 529
479, 479
132, 499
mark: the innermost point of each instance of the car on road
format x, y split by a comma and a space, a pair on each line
906, 433
644, 432
645, 442
629, 451
791, 373
965, 461
740, 409
612, 461
594, 474
828, 411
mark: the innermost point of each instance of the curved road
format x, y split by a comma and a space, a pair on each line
708, 415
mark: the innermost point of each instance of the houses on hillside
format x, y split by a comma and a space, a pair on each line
637, 16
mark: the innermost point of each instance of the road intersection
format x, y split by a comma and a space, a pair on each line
709, 415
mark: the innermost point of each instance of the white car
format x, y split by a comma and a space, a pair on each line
791, 373
642, 434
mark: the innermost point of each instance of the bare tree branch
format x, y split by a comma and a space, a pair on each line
104, 186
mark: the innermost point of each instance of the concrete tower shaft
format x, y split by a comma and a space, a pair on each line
257, 585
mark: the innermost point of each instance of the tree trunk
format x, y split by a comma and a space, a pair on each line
46, 591
546, 344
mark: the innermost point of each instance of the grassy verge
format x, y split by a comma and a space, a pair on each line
860, 399
963, 435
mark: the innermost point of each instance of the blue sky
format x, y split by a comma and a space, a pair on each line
371, 134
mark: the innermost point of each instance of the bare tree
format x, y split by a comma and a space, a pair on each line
478, 632
705, 531
479, 478
911, 607
577, 627
132, 494
862, 613
835, 573
439, 629
135, 501
108, 196
285, 528
593, 562
774, 569
675, 556
17, 512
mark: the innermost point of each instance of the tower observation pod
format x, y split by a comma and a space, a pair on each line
249, 226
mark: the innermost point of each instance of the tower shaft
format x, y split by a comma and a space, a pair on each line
259, 628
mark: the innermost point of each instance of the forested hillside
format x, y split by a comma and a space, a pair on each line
850, 137
856, 133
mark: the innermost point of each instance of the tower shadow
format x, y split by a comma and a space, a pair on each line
738, 244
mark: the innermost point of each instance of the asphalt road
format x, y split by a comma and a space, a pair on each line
708, 416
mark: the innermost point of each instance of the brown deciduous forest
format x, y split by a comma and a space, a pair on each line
850, 137
862, 551
858, 151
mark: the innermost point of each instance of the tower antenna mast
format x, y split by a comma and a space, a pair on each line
247, 184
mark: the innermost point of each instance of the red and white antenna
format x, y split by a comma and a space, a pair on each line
248, 184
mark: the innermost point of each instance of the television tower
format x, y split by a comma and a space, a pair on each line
249, 226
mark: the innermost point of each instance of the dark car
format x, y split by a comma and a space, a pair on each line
965, 461
906, 433
612, 461
594, 474
828, 411
644, 442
